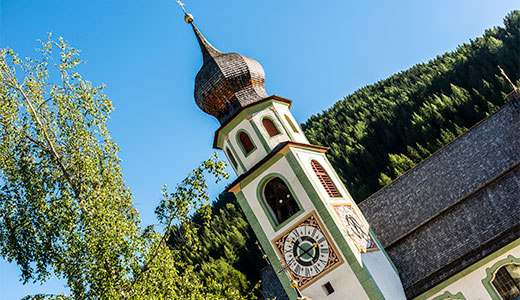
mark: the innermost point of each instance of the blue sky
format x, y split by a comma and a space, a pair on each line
314, 53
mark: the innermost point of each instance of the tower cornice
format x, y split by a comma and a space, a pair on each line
277, 153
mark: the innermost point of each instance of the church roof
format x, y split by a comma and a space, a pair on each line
454, 208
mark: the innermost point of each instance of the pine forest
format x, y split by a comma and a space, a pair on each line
375, 135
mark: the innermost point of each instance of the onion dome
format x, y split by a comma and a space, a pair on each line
227, 81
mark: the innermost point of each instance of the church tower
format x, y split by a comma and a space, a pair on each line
306, 221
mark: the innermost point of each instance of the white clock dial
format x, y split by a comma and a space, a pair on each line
306, 251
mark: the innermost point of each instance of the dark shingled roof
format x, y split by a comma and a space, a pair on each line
454, 208
227, 81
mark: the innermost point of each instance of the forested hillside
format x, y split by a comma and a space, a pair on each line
376, 134
382, 130
226, 250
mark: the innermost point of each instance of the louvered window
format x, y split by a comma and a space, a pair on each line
270, 127
246, 142
280, 200
325, 179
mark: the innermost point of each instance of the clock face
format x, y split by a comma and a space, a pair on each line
355, 228
307, 251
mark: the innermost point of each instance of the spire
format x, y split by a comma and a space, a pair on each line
226, 82
208, 51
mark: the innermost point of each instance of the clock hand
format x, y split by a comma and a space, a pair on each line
307, 251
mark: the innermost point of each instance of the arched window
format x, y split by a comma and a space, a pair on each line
245, 141
270, 127
280, 200
507, 281
231, 158
325, 179
291, 123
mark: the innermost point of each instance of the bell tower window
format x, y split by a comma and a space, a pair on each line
270, 127
325, 179
245, 142
280, 200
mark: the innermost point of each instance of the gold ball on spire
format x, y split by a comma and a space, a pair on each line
188, 18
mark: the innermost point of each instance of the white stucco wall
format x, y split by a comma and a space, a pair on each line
253, 157
278, 117
383, 273
283, 110
275, 140
342, 278
376, 262
470, 285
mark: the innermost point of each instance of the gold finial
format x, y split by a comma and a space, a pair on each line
187, 17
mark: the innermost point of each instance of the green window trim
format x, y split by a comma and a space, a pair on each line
232, 159
274, 123
265, 207
260, 136
239, 142
287, 131
468, 270
448, 295
490, 275
266, 245
293, 127
236, 156
360, 270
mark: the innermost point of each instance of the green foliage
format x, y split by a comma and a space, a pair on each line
415, 112
228, 250
64, 208
377, 134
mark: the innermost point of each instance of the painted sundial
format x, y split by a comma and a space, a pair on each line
357, 231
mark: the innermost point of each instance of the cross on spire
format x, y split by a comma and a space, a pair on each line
182, 6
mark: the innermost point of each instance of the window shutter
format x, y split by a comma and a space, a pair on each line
325, 179
246, 142
270, 127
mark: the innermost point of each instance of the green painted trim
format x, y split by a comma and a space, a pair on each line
260, 170
266, 245
267, 210
237, 138
384, 251
287, 130
260, 136
362, 273
448, 295
436, 289
491, 271
274, 123
231, 158
309, 148
242, 115
230, 145
291, 124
